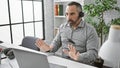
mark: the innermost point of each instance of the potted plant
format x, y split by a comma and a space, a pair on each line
115, 21
95, 13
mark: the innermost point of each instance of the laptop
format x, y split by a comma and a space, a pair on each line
27, 59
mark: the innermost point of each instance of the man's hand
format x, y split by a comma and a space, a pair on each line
42, 45
72, 52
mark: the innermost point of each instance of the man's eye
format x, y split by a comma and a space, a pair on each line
72, 14
66, 14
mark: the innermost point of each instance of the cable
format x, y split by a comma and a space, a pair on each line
3, 58
9, 63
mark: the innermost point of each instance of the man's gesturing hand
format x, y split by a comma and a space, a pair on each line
72, 52
42, 45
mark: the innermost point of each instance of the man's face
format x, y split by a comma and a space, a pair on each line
72, 14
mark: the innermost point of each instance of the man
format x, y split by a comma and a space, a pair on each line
78, 39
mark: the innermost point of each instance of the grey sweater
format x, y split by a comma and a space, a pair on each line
84, 38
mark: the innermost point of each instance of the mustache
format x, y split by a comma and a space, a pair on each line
70, 21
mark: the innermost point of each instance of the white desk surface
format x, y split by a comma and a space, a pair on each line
51, 59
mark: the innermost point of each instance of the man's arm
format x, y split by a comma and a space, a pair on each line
92, 48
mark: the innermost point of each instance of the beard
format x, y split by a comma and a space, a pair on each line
71, 22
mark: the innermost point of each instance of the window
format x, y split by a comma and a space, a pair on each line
20, 18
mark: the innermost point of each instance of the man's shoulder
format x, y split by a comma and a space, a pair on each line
89, 26
63, 25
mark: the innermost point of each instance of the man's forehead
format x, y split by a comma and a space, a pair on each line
72, 8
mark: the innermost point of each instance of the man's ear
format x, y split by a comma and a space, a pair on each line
81, 14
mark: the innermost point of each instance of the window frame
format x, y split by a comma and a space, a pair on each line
10, 24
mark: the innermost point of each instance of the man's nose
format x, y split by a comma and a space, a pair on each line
68, 17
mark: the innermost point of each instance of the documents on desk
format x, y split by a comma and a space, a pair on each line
51, 58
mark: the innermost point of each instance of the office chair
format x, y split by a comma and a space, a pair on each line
29, 42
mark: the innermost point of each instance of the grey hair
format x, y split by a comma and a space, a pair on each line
78, 5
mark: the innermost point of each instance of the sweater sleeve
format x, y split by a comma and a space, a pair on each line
91, 54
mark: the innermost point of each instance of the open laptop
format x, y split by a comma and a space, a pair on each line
27, 59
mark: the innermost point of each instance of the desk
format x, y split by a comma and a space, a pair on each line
6, 63
51, 59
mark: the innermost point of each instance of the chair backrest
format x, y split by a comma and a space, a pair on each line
29, 42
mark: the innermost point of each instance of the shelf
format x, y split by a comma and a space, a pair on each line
59, 16
61, 1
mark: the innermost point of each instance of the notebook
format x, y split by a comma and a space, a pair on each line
27, 59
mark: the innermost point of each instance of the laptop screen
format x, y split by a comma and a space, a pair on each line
27, 59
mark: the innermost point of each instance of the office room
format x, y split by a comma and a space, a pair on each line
25, 24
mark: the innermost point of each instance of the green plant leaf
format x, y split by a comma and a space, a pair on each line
97, 10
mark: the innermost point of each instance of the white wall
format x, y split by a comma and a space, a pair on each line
49, 20
112, 14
